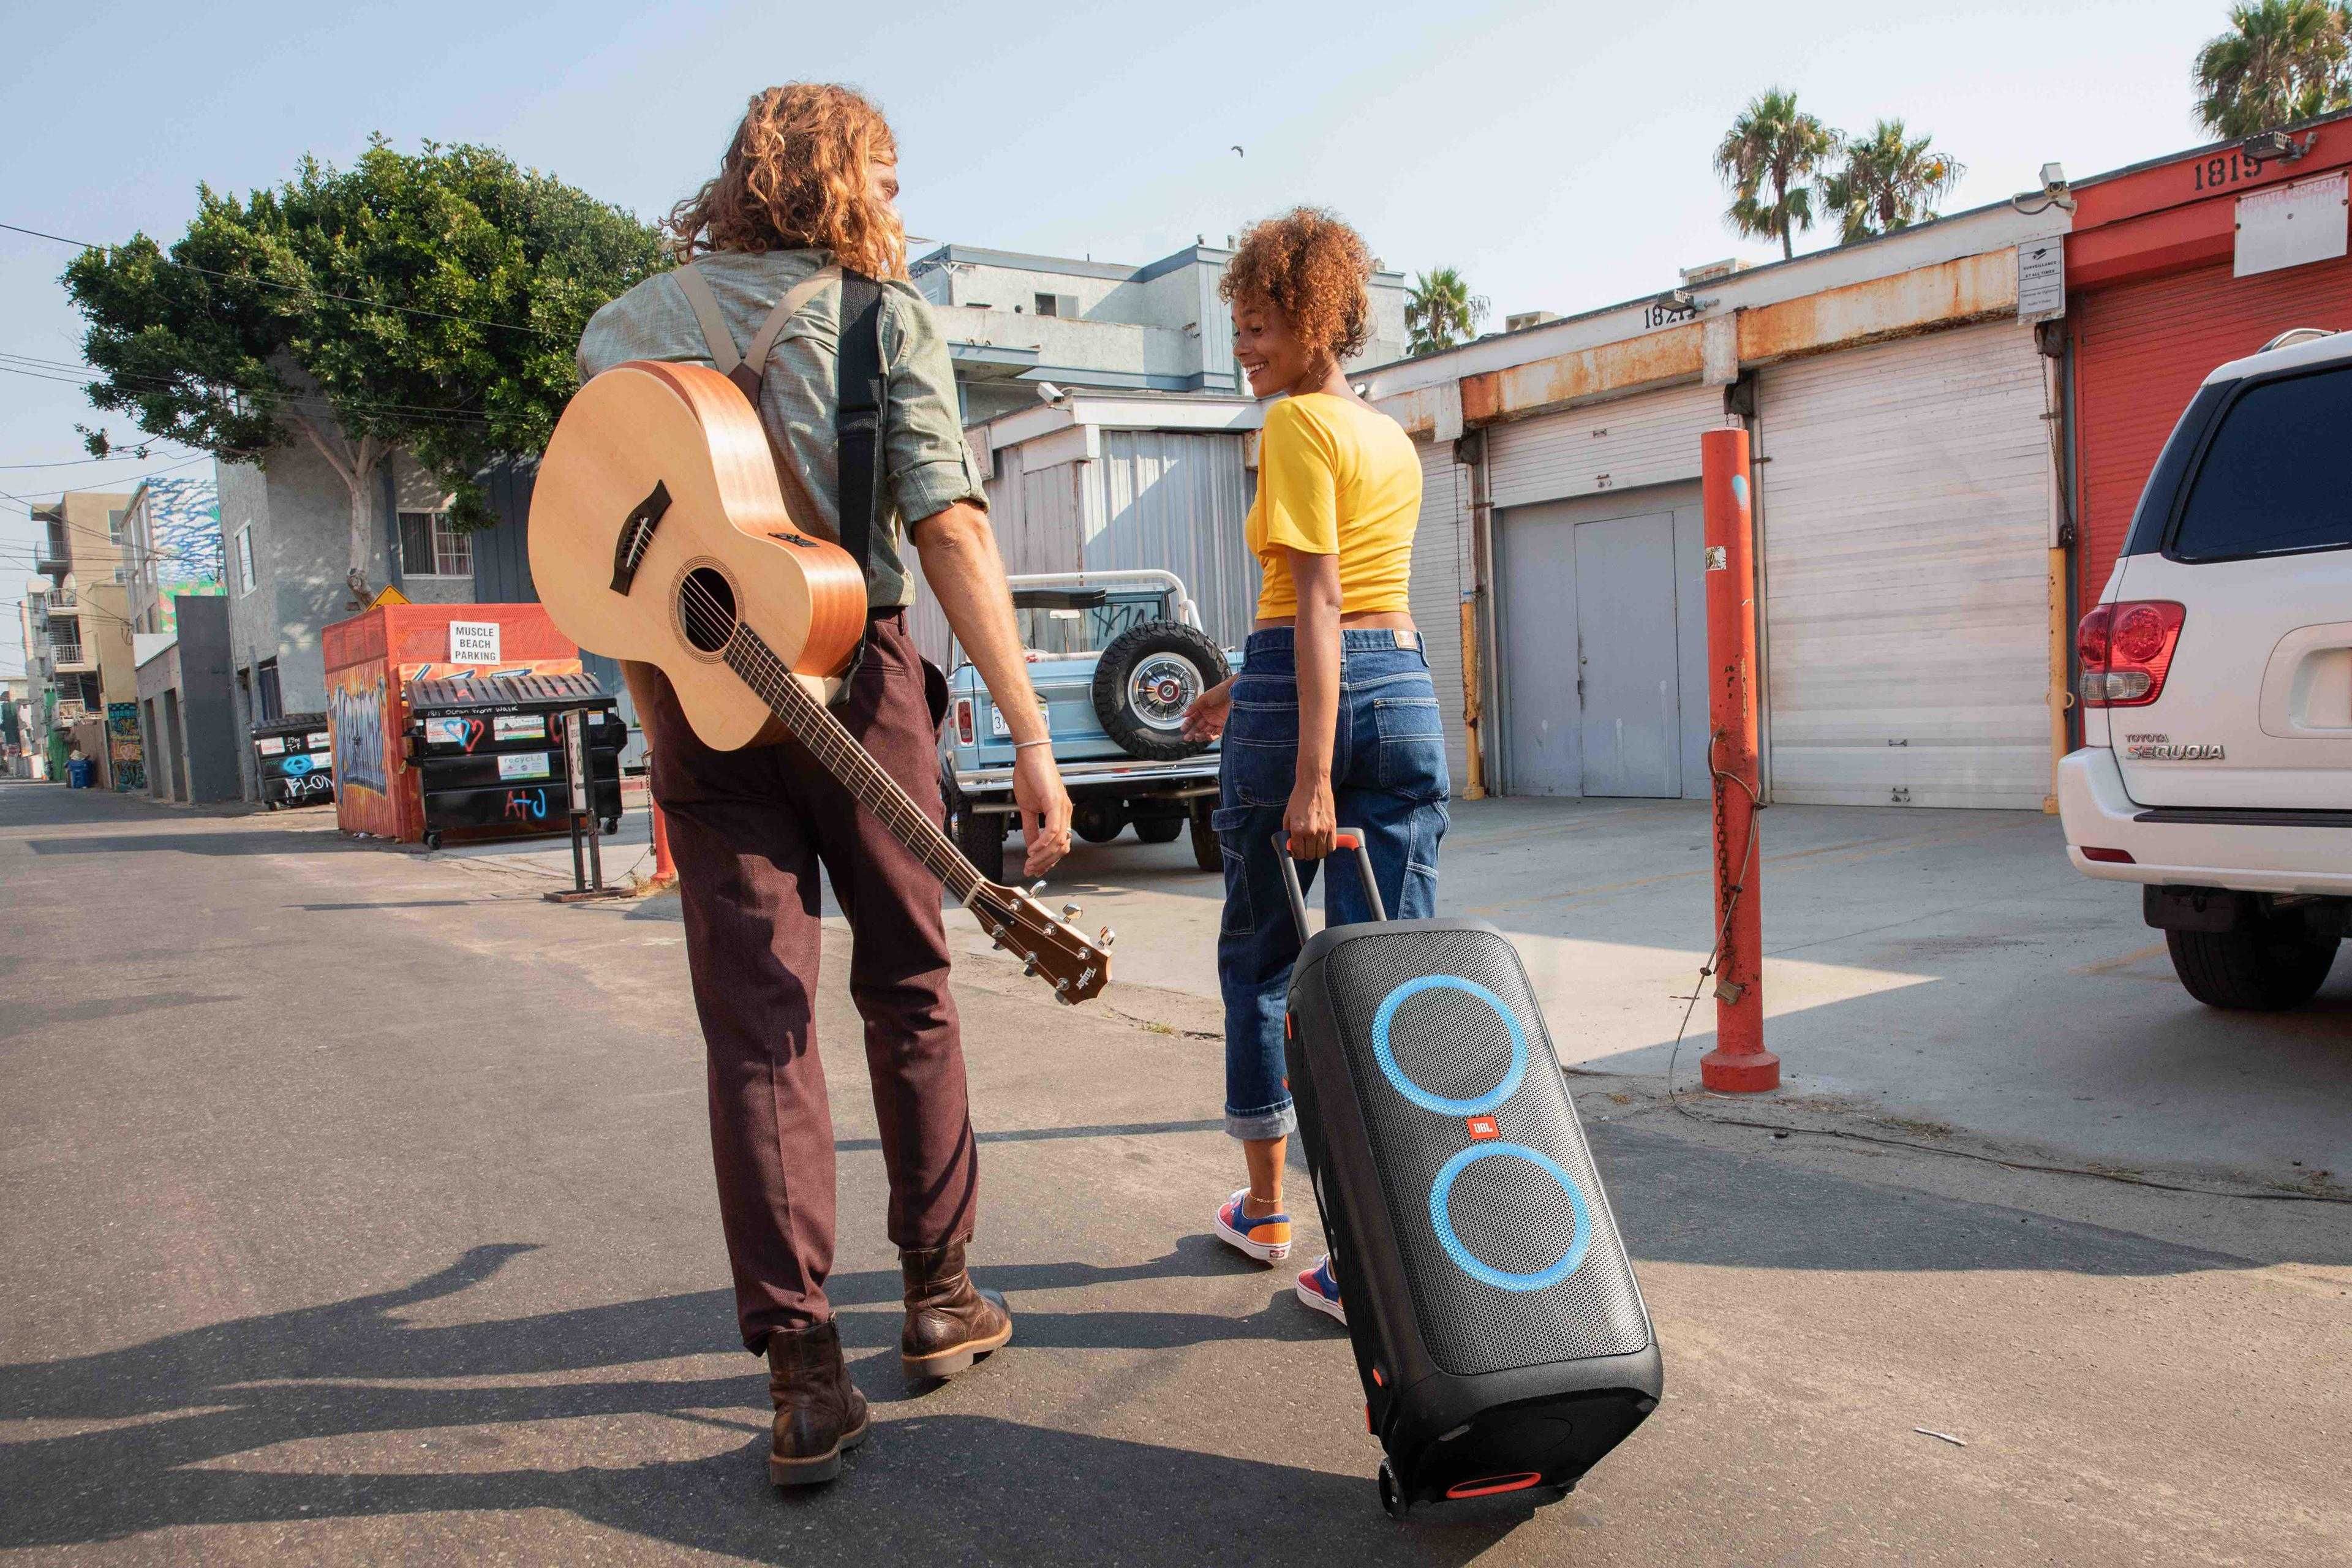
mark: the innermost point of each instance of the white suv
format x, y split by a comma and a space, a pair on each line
2217, 684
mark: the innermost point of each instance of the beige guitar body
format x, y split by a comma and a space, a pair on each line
659, 535
619, 439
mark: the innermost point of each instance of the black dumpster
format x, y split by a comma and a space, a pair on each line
489, 752
293, 760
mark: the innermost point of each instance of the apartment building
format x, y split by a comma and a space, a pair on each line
85, 643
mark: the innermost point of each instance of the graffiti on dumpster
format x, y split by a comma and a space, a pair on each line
123, 747
526, 805
359, 736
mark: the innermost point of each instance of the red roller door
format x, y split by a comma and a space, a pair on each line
2142, 350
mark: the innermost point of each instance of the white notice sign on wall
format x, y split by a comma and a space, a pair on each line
2041, 278
2288, 226
473, 642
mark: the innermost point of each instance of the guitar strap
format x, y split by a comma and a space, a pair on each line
861, 400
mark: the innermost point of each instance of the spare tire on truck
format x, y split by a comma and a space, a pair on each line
1145, 680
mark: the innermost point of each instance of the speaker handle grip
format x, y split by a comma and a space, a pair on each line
1343, 839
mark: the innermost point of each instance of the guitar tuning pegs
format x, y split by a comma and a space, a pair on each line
1037, 888
1107, 937
1030, 967
1070, 911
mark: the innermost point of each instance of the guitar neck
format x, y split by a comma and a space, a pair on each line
750, 657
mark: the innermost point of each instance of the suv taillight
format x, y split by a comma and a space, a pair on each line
965, 732
2126, 650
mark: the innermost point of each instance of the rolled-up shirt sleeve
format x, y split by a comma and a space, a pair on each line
931, 467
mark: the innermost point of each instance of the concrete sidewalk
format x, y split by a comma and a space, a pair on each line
359, 1209
1944, 973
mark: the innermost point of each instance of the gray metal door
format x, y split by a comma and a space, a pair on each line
1539, 643
1631, 722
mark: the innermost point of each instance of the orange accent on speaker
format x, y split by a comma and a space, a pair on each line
1483, 1128
1487, 1486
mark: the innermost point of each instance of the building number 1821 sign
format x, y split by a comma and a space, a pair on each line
473, 642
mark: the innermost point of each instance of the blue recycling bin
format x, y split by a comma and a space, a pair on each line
78, 773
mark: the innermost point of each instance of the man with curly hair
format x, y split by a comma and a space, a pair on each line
1333, 717
797, 256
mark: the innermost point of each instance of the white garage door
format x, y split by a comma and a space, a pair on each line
1905, 523
1646, 440
1441, 572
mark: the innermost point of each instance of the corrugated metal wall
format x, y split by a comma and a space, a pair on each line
1441, 572
1180, 501
1644, 440
1176, 501
1905, 523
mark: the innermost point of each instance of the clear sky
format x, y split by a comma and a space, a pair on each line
1556, 153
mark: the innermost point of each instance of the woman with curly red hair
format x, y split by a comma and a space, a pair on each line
796, 273
1333, 719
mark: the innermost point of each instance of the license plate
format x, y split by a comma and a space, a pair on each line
1002, 730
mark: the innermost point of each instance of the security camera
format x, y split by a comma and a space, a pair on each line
2054, 178
1052, 396
2275, 147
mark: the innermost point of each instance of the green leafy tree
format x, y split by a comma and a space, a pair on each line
1769, 158
1440, 311
1889, 180
2282, 61
429, 303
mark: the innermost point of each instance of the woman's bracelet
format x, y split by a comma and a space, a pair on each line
1025, 745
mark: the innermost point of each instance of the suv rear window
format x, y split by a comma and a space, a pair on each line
2272, 482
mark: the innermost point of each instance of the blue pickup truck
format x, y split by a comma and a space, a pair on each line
1116, 657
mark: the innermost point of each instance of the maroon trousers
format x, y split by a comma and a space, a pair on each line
747, 830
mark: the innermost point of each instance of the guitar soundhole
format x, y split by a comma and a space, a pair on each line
705, 609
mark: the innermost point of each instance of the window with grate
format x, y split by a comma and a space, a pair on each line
430, 547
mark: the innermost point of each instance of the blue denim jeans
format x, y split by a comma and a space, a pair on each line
1388, 776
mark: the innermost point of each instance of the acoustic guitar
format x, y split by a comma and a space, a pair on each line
658, 532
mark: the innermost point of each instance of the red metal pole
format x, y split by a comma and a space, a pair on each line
665, 874
1739, 1063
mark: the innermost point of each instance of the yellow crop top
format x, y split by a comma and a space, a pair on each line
1335, 477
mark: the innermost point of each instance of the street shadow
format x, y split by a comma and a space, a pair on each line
31, 1016
1668, 1193
180, 1411
164, 841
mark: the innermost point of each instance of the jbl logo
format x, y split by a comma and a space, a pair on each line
1483, 1128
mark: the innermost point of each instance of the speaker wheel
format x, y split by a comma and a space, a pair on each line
1392, 1501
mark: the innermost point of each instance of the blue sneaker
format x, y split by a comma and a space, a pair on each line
1320, 1290
1264, 1236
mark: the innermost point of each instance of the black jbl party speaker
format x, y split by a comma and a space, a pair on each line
1501, 1337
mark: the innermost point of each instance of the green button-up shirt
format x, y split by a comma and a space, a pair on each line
931, 467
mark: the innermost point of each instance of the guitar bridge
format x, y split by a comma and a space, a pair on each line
636, 534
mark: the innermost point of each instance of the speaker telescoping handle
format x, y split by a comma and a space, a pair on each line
1343, 839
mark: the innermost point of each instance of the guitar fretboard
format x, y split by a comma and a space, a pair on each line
750, 657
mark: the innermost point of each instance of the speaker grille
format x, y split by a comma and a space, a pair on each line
1532, 1271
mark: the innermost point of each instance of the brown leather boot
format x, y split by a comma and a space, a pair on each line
819, 1412
950, 1323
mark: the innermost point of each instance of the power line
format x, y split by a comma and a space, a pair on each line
50, 370
291, 288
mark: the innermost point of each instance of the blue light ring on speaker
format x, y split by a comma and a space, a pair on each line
1413, 1092
1442, 1220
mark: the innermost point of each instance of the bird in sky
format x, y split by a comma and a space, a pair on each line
1239, 153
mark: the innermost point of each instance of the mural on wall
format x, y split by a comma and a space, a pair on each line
357, 712
183, 537
126, 756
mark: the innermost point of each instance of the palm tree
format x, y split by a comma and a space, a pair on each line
1773, 144
2283, 60
1890, 181
1440, 311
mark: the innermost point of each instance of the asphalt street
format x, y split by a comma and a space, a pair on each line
358, 1208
